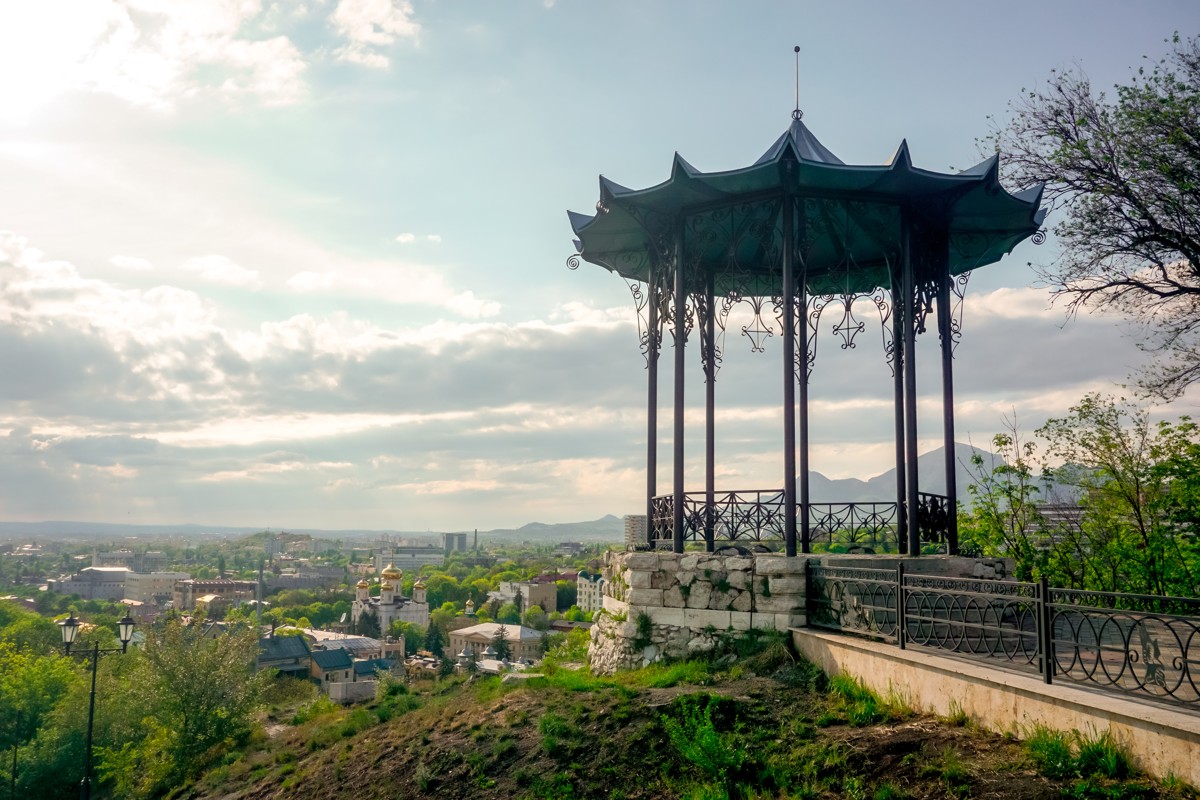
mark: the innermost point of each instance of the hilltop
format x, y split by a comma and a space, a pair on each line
762, 726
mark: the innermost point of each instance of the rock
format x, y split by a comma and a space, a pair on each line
701, 644
788, 584
639, 579
720, 601
688, 563
641, 561
644, 597
739, 562
685, 578
742, 602
673, 597
699, 595
725, 661
738, 579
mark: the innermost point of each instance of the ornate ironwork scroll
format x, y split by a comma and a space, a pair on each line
1132, 643
958, 287
759, 329
924, 293
882, 299
993, 620
816, 306
854, 599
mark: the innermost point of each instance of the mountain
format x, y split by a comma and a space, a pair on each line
930, 468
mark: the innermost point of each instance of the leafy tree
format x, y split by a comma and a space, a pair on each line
536, 618
434, 640
1124, 173
508, 613
368, 624
566, 594
500, 643
30, 686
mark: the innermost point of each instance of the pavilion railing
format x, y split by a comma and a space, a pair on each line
757, 516
1147, 646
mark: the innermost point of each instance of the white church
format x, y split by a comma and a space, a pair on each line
391, 606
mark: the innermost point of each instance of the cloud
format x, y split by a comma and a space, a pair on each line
371, 26
433, 237
223, 270
151, 53
406, 238
407, 284
131, 263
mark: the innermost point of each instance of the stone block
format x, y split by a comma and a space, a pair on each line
699, 595
642, 561
738, 579
739, 562
781, 565
741, 621
639, 579
788, 584
663, 578
701, 618
667, 617
778, 604
644, 597
722, 600
614, 606
687, 563
742, 602
673, 597
685, 578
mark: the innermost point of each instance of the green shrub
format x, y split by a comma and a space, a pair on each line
1050, 751
693, 734
1100, 754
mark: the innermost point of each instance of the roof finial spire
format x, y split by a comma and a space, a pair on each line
797, 114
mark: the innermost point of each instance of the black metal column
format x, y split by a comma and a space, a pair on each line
789, 380
910, 388
898, 312
680, 364
945, 334
652, 349
710, 403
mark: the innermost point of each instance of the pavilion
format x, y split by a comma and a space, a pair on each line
803, 231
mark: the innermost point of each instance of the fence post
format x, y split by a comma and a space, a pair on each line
901, 628
1045, 630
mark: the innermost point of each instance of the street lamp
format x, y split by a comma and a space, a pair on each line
70, 630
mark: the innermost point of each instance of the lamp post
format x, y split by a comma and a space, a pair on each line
70, 629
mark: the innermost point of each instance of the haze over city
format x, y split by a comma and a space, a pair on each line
302, 263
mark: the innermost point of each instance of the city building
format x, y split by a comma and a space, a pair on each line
409, 557
328, 666
391, 606
454, 542
635, 530
532, 593
525, 643
154, 588
187, 592
290, 655
589, 592
93, 583
148, 561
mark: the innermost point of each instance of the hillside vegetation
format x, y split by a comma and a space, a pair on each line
754, 725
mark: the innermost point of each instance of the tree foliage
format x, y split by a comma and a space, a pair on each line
1124, 173
1103, 500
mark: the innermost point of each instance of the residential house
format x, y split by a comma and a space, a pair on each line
290, 655
331, 666
525, 643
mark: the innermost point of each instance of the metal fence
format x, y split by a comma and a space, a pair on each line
1143, 645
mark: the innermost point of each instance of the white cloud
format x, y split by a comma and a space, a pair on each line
397, 283
151, 53
433, 237
406, 238
131, 263
372, 25
223, 270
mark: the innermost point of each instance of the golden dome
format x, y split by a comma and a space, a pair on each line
470, 606
420, 584
390, 571
362, 584
386, 587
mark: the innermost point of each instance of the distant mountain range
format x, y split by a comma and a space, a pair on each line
608, 528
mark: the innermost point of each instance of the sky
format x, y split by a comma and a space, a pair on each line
302, 263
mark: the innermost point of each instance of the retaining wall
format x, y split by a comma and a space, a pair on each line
660, 604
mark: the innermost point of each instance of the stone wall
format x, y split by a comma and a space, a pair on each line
676, 605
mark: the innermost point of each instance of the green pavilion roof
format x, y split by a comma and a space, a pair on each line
848, 218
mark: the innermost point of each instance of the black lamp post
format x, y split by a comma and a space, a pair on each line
70, 629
